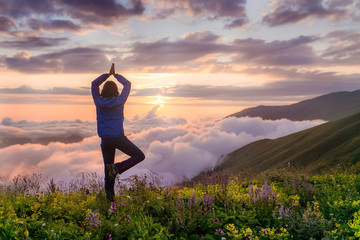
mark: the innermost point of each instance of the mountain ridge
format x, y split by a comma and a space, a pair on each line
329, 107
318, 148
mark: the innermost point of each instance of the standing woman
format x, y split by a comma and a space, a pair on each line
110, 117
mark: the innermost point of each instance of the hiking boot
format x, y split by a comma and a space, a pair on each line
112, 172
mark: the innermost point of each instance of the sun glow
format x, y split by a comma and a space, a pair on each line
157, 100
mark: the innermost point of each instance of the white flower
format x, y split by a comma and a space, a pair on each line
158, 197
116, 224
43, 224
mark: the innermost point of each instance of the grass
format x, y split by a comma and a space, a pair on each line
319, 149
278, 204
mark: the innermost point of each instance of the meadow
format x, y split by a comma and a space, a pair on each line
279, 204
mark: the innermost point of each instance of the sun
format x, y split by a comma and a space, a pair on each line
157, 100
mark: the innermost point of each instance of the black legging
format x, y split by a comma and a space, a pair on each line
108, 147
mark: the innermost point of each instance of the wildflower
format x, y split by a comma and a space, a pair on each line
158, 197
180, 223
219, 231
208, 200
216, 220
122, 205
112, 207
110, 236
180, 204
93, 219
251, 192
265, 193
284, 212
192, 202
116, 224
295, 183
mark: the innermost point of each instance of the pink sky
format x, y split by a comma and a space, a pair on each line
211, 54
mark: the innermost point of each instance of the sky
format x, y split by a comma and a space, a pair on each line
189, 61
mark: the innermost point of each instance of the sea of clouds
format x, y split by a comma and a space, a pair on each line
174, 147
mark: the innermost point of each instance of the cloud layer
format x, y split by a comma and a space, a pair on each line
198, 51
174, 148
24, 132
285, 12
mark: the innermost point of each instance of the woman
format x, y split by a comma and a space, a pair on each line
110, 117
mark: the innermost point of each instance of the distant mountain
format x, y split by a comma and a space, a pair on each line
328, 107
318, 148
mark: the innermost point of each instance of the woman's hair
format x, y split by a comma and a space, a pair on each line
109, 90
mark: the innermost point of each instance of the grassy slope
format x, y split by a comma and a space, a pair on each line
329, 107
318, 148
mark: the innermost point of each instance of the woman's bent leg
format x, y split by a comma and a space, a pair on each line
108, 152
127, 147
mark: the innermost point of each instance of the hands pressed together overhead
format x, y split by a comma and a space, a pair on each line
112, 70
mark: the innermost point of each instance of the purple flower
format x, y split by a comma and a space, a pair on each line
219, 231
93, 219
110, 236
251, 192
295, 183
265, 193
112, 207
192, 200
216, 220
180, 204
208, 200
180, 223
284, 212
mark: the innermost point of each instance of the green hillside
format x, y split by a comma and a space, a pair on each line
329, 107
318, 148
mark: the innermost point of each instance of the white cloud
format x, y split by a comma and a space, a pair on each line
172, 151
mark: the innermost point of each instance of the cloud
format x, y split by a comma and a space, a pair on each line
294, 84
197, 51
151, 120
74, 60
54, 25
295, 51
293, 11
232, 11
347, 53
66, 15
172, 151
23, 132
56, 90
33, 42
164, 52
102, 12
6, 24
205, 36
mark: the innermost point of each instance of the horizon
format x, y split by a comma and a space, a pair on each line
190, 62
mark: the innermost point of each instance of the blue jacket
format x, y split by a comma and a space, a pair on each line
110, 111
